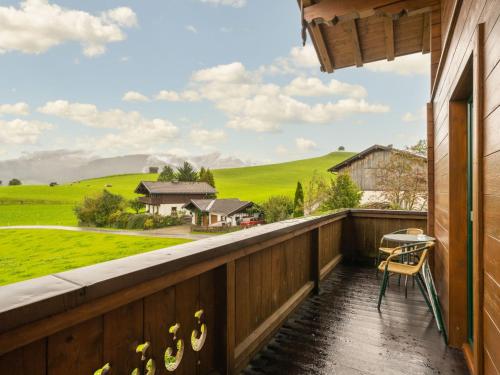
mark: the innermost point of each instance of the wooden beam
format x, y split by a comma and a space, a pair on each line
322, 51
389, 38
426, 33
358, 57
334, 11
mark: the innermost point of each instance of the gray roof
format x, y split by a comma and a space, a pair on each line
220, 206
368, 151
155, 187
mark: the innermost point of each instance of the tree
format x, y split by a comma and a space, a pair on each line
187, 173
315, 193
136, 205
97, 210
341, 148
298, 201
206, 175
342, 193
277, 208
167, 174
420, 148
403, 182
15, 182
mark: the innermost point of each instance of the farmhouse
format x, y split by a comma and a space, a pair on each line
168, 198
365, 168
217, 212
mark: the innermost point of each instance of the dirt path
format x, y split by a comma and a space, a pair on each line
182, 231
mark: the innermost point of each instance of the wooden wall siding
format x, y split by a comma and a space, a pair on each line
364, 171
246, 293
462, 41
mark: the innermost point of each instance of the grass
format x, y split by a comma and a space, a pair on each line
41, 204
37, 214
25, 254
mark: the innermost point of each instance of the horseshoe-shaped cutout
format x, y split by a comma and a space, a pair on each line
173, 361
198, 339
150, 364
103, 370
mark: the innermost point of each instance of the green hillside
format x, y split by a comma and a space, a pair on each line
41, 204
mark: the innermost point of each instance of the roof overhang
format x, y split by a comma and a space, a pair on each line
354, 32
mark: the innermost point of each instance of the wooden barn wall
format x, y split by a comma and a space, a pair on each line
365, 171
472, 12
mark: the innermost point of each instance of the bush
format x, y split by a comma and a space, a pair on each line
149, 224
277, 208
119, 219
137, 221
97, 211
342, 193
15, 182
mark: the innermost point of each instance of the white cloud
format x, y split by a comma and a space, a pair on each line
191, 29
417, 116
415, 64
305, 145
225, 29
20, 109
174, 96
134, 96
36, 26
299, 59
134, 130
281, 150
251, 104
302, 86
21, 131
231, 3
205, 136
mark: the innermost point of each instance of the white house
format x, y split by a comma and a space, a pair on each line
217, 212
169, 198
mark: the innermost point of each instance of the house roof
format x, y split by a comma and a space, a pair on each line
220, 206
156, 187
374, 148
353, 32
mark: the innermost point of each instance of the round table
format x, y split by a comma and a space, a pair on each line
408, 238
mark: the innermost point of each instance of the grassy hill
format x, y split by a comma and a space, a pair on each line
41, 204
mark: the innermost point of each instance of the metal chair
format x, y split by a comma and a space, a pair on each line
386, 251
392, 266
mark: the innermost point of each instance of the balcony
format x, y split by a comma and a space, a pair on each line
214, 306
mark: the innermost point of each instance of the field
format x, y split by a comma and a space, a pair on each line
25, 254
41, 204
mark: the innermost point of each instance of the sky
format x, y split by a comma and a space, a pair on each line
191, 77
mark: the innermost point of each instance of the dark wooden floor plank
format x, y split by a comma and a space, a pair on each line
340, 331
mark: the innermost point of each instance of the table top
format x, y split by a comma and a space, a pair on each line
408, 238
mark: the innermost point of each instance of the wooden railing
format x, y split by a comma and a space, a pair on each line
199, 308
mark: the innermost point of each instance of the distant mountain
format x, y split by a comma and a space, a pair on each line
63, 166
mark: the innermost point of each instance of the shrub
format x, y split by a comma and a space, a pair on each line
342, 193
277, 208
119, 219
97, 210
298, 202
149, 224
15, 182
137, 221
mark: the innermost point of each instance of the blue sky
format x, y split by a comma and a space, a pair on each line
201, 76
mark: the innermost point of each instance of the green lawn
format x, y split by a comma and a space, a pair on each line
37, 214
25, 254
41, 204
